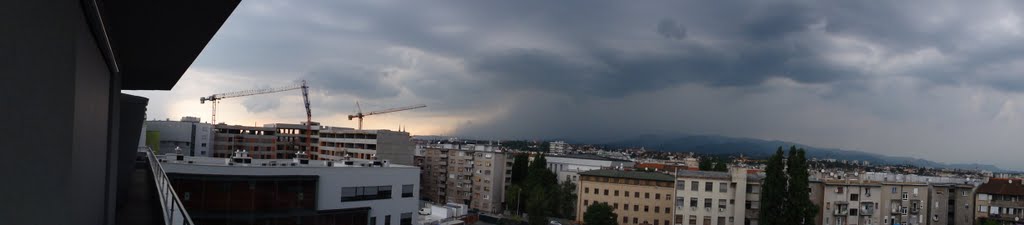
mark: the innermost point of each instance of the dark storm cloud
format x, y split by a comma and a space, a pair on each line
258, 104
362, 83
671, 29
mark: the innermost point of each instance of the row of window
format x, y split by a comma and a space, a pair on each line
404, 219
708, 202
707, 220
647, 195
625, 220
636, 208
628, 181
364, 193
723, 187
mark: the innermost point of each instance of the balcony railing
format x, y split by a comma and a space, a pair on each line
174, 213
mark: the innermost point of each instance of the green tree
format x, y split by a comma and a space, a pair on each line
600, 214
799, 208
705, 164
520, 168
720, 165
567, 193
773, 192
513, 198
537, 207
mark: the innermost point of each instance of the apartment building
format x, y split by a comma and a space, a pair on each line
850, 202
557, 147
474, 175
340, 143
258, 142
951, 204
714, 198
193, 137
244, 190
1000, 200
637, 197
904, 203
568, 167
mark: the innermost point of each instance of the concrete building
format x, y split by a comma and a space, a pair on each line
475, 175
1000, 200
557, 147
904, 203
243, 190
568, 167
192, 136
259, 142
65, 69
637, 197
291, 139
850, 202
724, 198
951, 204
339, 143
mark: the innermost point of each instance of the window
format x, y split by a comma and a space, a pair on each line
586, 190
680, 201
867, 191
365, 193
387, 220
904, 195
723, 187
407, 190
406, 219
657, 210
646, 208
963, 193
373, 220
657, 196
693, 220
853, 211
693, 202
721, 204
681, 185
616, 193
605, 192
625, 219
636, 208
636, 194
707, 203
839, 190
597, 191
656, 222
708, 186
721, 220
694, 186
854, 197
634, 220
616, 207
586, 202
894, 190
647, 195
626, 194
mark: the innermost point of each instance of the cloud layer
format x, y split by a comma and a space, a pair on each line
939, 80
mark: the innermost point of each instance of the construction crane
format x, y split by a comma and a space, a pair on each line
213, 99
360, 113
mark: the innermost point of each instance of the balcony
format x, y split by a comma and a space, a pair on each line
152, 199
840, 212
1008, 204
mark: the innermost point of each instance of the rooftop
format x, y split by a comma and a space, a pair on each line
630, 174
280, 163
587, 156
1002, 186
715, 175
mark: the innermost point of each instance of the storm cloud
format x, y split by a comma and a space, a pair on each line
921, 79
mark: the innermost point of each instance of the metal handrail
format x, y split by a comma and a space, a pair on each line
174, 213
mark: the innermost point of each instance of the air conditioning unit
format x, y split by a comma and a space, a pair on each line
721, 209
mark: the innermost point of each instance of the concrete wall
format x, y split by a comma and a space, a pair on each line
396, 147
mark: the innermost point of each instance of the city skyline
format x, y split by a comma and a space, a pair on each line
931, 81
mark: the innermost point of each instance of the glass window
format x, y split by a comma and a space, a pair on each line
723, 187
681, 185
406, 219
657, 196
387, 220
707, 203
708, 186
694, 185
647, 195
373, 220
693, 202
616, 193
407, 190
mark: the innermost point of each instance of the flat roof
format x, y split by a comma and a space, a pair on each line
642, 175
587, 156
278, 163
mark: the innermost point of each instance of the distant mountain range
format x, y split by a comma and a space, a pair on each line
713, 144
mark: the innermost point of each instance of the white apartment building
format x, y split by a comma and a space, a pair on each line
557, 147
717, 198
341, 143
192, 136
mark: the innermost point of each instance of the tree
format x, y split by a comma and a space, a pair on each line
513, 198
537, 207
720, 165
600, 214
567, 193
799, 208
520, 168
773, 192
705, 164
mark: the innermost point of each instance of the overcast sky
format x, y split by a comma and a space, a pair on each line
940, 80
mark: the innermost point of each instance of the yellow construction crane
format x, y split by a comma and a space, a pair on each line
360, 113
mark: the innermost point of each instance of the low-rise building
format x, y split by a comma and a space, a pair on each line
568, 167
244, 190
189, 134
259, 142
1000, 200
851, 202
711, 197
340, 143
637, 197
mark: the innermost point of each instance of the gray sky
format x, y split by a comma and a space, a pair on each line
939, 80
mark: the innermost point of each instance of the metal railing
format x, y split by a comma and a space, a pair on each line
174, 213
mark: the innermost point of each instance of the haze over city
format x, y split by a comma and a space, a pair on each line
939, 81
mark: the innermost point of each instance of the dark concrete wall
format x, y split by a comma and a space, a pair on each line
55, 100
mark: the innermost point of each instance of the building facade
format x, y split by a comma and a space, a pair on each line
474, 175
259, 142
290, 138
568, 167
339, 143
193, 137
243, 190
850, 202
637, 197
716, 198
1000, 200
951, 204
